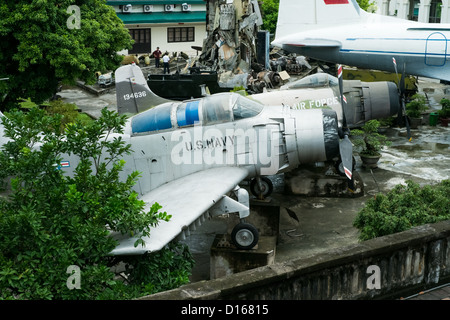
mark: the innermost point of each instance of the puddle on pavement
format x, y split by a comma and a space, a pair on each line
432, 147
426, 157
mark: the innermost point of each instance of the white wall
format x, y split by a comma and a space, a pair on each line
389, 7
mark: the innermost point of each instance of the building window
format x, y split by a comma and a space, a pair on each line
142, 40
182, 34
435, 11
414, 10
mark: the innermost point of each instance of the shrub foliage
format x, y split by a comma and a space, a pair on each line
50, 220
402, 208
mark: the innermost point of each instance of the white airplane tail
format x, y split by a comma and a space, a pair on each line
132, 92
296, 16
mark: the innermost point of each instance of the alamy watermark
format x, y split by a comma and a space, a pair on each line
74, 21
74, 280
374, 280
212, 146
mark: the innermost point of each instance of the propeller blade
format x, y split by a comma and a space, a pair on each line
346, 151
345, 145
343, 99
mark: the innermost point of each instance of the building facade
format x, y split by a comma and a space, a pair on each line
173, 26
433, 11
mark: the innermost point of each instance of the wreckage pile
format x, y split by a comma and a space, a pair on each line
231, 48
237, 50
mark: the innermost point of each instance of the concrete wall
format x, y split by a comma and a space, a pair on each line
391, 266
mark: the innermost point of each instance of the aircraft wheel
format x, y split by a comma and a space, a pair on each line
265, 190
244, 236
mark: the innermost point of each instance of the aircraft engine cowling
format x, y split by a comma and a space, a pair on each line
317, 135
370, 100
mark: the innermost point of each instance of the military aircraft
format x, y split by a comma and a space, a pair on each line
193, 154
339, 31
364, 100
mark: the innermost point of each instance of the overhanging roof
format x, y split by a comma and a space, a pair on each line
119, 2
163, 17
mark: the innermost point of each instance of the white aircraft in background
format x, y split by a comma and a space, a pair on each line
339, 31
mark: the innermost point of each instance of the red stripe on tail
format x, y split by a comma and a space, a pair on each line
335, 1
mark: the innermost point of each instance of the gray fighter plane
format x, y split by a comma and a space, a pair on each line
193, 154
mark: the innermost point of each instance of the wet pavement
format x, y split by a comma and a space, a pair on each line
441, 292
325, 223
88, 102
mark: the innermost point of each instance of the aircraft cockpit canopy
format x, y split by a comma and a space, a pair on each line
213, 109
313, 81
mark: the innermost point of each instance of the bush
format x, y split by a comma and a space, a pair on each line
445, 110
51, 220
367, 140
416, 106
402, 208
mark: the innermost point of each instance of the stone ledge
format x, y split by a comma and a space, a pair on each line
239, 284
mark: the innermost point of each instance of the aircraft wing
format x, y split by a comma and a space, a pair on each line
186, 199
292, 41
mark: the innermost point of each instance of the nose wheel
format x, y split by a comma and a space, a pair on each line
244, 236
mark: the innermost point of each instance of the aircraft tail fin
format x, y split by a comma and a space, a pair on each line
296, 16
132, 92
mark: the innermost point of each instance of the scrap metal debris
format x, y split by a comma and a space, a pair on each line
233, 30
231, 49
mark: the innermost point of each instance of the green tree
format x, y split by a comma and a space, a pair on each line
51, 220
41, 45
365, 4
269, 12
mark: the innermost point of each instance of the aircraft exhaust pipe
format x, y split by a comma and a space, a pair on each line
317, 135
382, 100
370, 100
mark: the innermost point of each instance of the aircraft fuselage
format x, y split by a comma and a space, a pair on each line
417, 50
